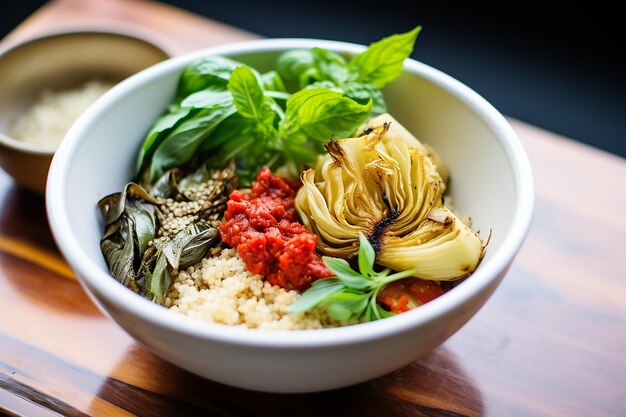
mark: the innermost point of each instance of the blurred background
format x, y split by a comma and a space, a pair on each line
551, 65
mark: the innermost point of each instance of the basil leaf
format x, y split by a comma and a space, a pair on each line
382, 280
241, 139
326, 84
330, 66
366, 257
319, 114
376, 312
346, 306
363, 92
382, 61
212, 71
310, 66
207, 98
345, 274
297, 153
319, 290
292, 64
273, 82
248, 96
270, 99
235, 128
158, 132
182, 144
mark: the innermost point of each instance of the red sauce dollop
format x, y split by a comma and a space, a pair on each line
265, 229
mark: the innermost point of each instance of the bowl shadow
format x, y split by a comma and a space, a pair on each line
435, 385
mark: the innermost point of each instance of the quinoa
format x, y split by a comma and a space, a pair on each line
220, 289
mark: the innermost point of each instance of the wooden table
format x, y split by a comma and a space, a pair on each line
551, 341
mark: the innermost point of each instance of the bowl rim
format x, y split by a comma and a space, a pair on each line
90, 274
10, 45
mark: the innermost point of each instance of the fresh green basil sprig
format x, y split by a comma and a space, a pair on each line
350, 295
359, 78
226, 110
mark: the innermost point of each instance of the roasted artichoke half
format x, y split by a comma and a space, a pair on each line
385, 183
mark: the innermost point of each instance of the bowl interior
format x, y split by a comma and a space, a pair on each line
63, 61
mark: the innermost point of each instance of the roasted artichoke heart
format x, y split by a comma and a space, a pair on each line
386, 184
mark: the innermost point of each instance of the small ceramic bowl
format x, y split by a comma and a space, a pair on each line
491, 180
58, 61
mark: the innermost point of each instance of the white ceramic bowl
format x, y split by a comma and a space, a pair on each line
491, 180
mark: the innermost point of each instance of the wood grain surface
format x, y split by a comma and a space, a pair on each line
550, 342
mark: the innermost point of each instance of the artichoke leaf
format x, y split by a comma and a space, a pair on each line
385, 184
396, 130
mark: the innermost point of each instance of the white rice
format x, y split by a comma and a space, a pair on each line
52, 115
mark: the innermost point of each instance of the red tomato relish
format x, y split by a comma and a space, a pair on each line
265, 229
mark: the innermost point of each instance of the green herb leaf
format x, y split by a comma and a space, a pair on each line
366, 257
207, 98
346, 306
319, 114
158, 132
273, 82
382, 61
319, 290
330, 66
248, 96
212, 71
364, 92
345, 274
375, 311
385, 279
292, 64
183, 142
352, 295
297, 152
229, 132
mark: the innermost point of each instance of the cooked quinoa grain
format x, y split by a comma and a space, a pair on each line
220, 289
